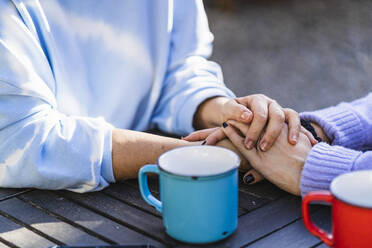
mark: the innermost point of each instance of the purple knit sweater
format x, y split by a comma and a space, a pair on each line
349, 126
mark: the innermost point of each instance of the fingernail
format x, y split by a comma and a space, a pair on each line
182, 137
203, 142
294, 138
248, 179
245, 116
263, 146
249, 144
224, 125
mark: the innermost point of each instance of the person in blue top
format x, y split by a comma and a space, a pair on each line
81, 80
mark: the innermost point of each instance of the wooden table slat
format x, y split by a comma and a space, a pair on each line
47, 224
122, 213
3, 244
8, 193
131, 195
262, 189
261, 222
250, 202
295, 235
87, 218
153, 183
21, 236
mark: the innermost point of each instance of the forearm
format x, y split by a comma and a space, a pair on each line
131, 150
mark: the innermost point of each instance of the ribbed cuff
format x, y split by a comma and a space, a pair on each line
340, 124
186, 116
323, 164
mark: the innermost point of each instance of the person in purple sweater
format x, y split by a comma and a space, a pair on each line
346, 133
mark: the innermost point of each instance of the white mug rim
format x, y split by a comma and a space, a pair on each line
336, 189
234, 166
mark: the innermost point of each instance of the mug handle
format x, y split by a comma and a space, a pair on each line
324, 196
144, 188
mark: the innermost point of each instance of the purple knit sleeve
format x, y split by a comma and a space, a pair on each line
349, 126
324, 163
341, 125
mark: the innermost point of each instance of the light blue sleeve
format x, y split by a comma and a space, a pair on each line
190, 78
39, 146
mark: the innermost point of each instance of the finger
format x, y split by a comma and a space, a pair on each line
294, 125
238, 142
248, 100
200, 135
260, 115
252, 177
242, 127
274, 126
216, 136
236, 111
309, 135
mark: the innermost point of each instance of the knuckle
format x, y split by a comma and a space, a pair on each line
261, 115
269, 137
261, 95
278, 115
272, 101
292, 112
288, 110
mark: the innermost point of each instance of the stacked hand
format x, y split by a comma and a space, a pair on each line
265, 116
282, 164
281, 143
264, 124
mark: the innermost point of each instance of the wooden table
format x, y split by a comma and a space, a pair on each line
268, 217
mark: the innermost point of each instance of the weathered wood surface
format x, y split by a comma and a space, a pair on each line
85, 219
118, 215
20, 236
294, 235
9, 193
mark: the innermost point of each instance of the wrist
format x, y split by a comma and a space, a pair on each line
320, 132
127, 144
209, 113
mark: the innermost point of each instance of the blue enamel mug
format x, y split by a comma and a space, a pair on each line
198, 192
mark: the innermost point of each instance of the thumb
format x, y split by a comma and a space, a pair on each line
252, 177
236, 111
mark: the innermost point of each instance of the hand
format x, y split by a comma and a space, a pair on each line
244, 164
213, 135
282, 164
212, 112
267, 121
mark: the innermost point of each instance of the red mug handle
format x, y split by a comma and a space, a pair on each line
324, 196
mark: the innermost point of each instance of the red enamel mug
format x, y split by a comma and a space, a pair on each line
351, 198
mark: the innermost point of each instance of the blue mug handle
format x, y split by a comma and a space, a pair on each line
144, 187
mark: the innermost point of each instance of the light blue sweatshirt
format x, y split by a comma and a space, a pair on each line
72, 70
